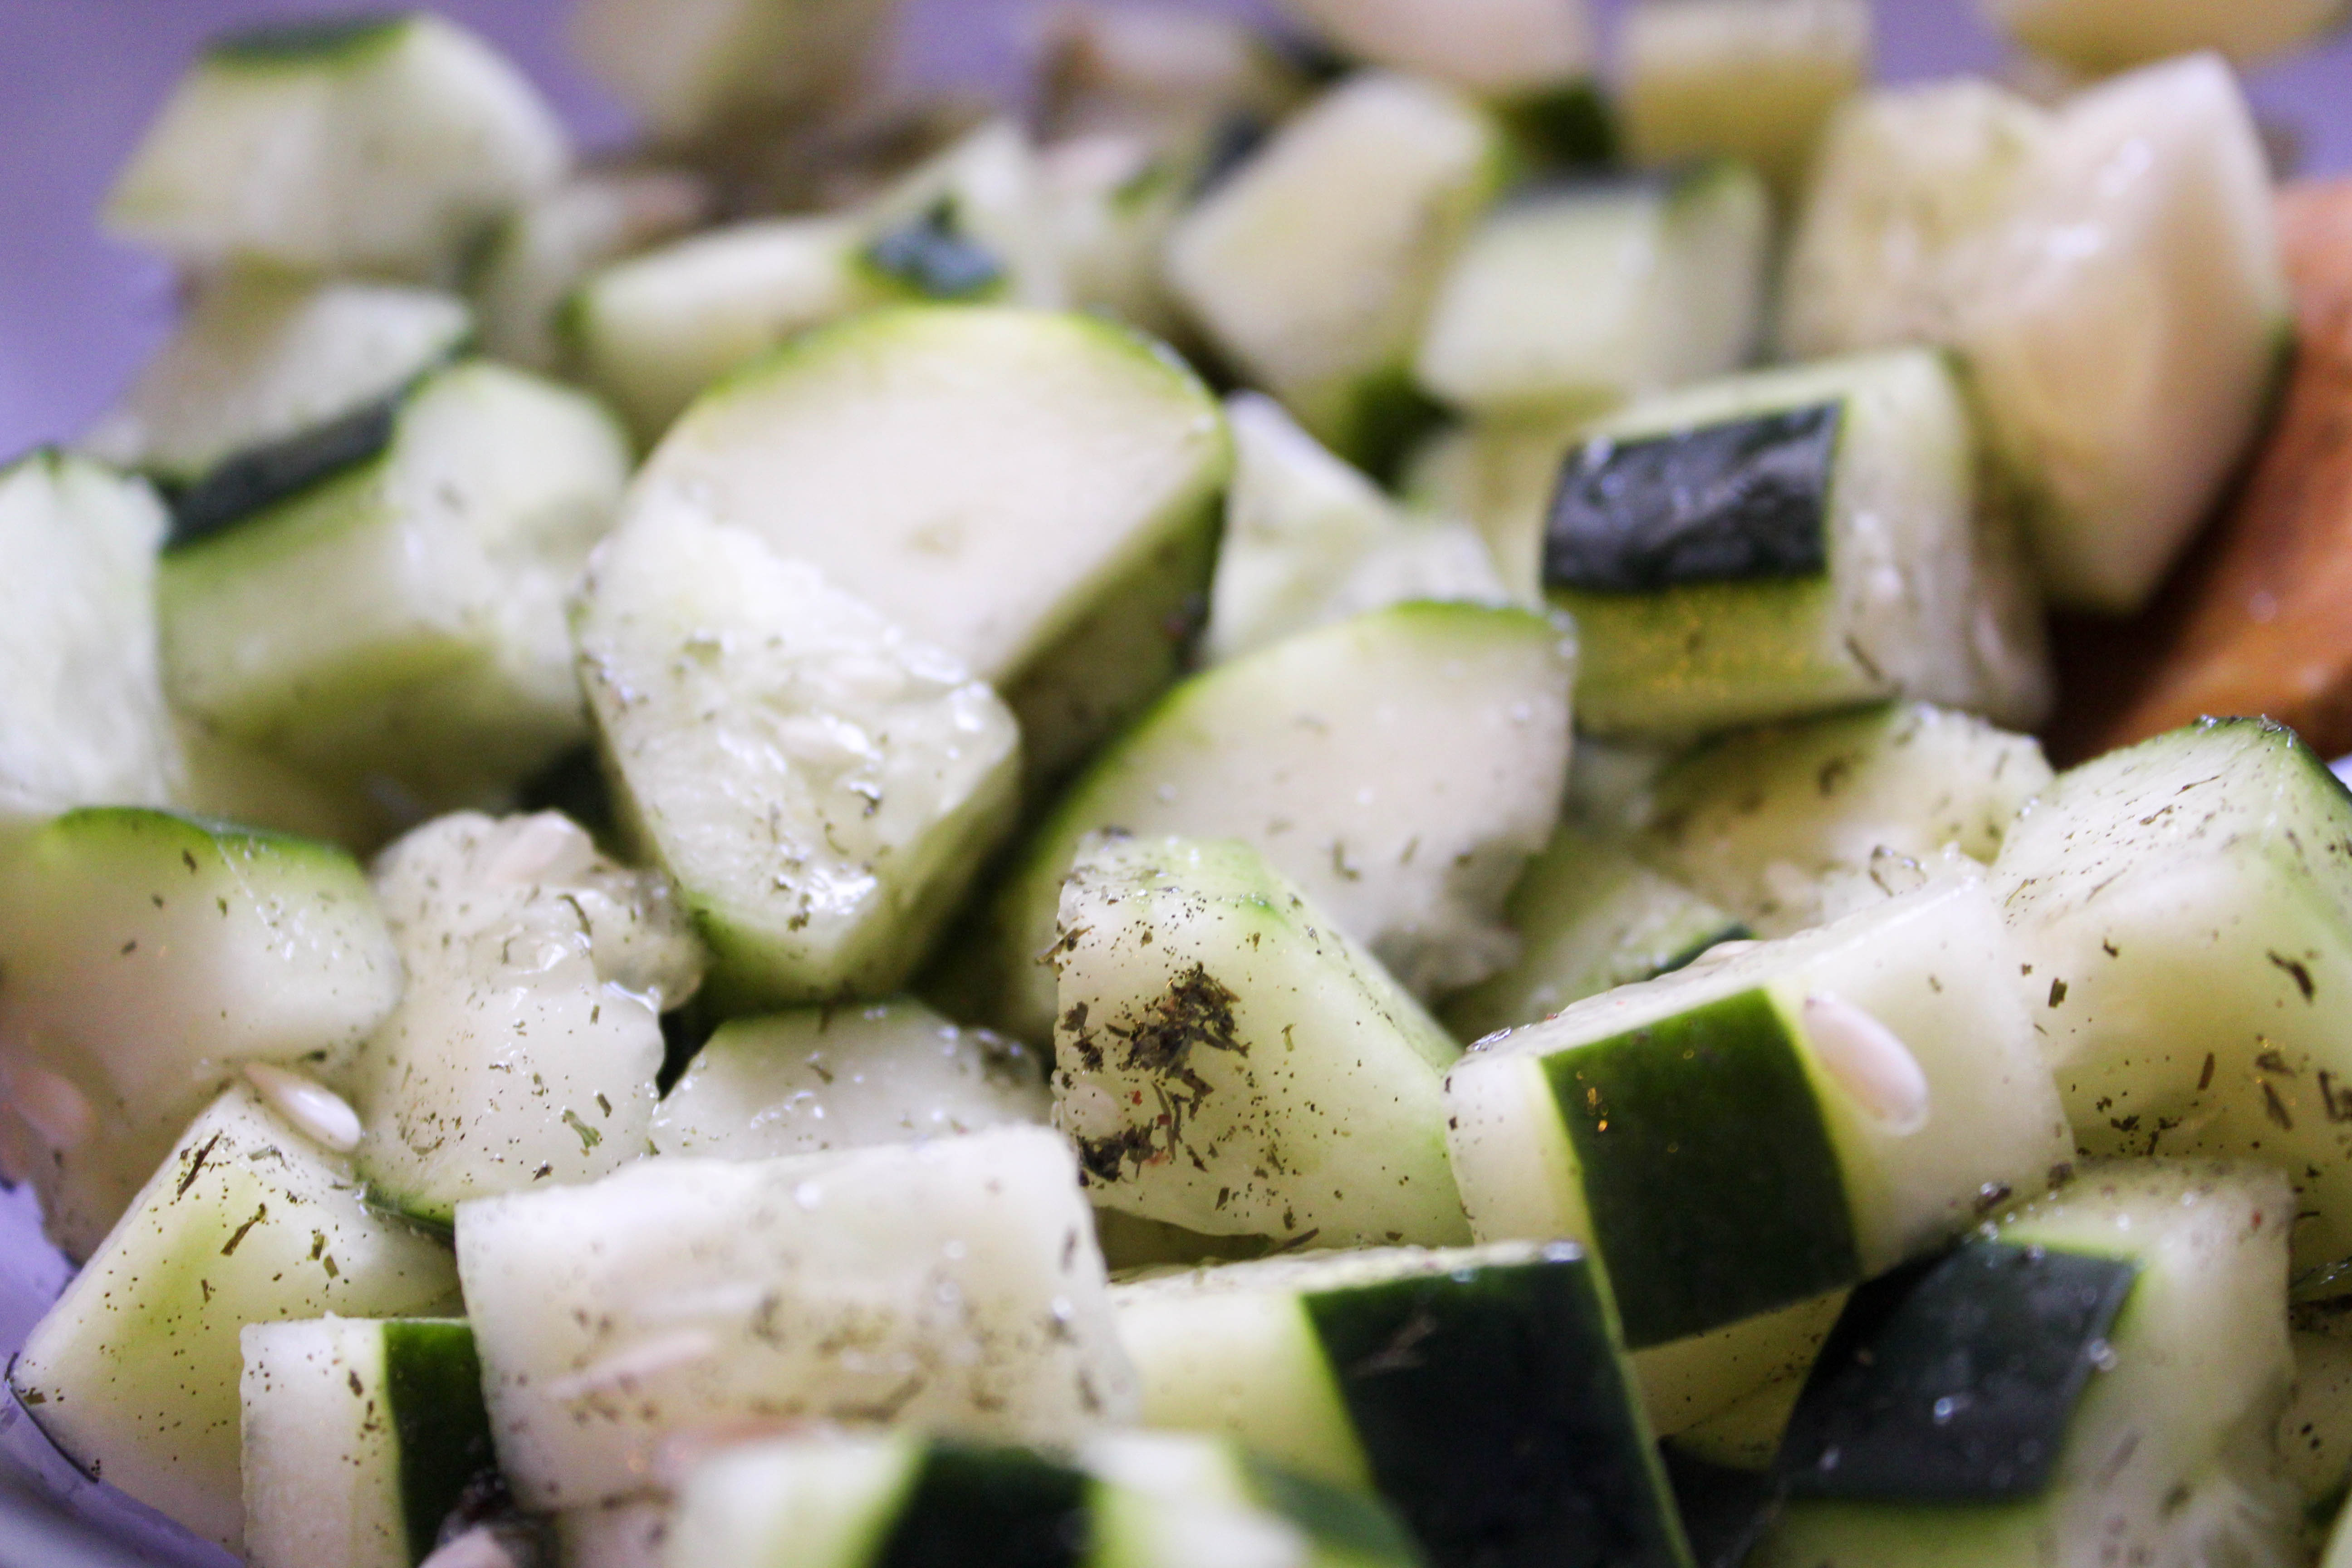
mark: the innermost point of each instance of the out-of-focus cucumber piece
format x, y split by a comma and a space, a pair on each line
821, 785
680, 1293
133, 1373
1496, 49
973, 223
843, 1077
2095, 36
232, 782
1113, 201
82, 720
147, 956
1788, 542
1751, 79
383, 145
2110, 270
1583, 296
1501, 474
547, 246
1170, 76
612, 1535
404, 618
1314, 264
693, 71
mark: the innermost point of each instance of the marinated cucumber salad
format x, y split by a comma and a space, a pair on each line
1287, 818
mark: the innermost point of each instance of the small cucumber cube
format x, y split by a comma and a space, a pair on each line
843, 1077
1751, 1131
378, 145
821, 784
547, 246
1751, 79
1496, 49
1229, 1061
973, 223
133, 1373
1113, 199
693, 73
359, 1438
680, 1293
2095, 36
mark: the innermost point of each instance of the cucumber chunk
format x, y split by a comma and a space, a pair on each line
404, 618
526, 1044
615, 1535
1751, 79
2122, 378
228, 781
1496, 49
681, 1292
1346, 1368
1313, 266
826, 1078
1592, 918
1309, 540
971, 224
2182, 909
1584, 295
1112, 201
2095, 36
375, 146
2094, 1383
547, 247
1695, 1387
1791, 825
359, 1438
1171, 77
147, 956
1461, 711
133, 1373
694, 72
1751, 1131
83, 721
1227, 1060
821, 785
1788, 542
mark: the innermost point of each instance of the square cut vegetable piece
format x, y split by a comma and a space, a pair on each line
1747, 1132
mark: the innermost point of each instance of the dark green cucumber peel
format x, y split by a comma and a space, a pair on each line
297, 43
260, 476
1744, 500
1725, 1511
1497, 1413
990, 1507
1567, 127
1387, 420
932, 258
1713, 1187
1735, 932
1954, 1379
433, 1381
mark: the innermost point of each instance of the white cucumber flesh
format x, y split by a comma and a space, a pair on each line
547, 247
1496, 49
1751, 79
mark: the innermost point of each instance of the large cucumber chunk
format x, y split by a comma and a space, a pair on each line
1751, 1131
1313, 265
1585, 295
1789, 542
1459, 712
1485, 1392
693, 71
1795, 824
146, 956
952, 1284
821, 784
359, 1438
2185, 911
133, 1373
526, 1044
82, 720
843, 1077
1751, 79
2094, 37
2122, 332
404, 618
376, 145
2094, 1383
1229, 1061
544, 250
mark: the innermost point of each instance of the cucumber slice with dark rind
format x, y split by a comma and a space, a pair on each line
435, 1384
304, 42
933, 259
1955, 1378
970, 1507
262, 476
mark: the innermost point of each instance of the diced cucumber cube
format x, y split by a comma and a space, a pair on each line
974, 223
377, 145
133, 1373
548, 246
951, 1286
1497, 49
1112, 201
1171, 77
695, 70
359, 1436
229, 781
1748, 1133
1229, 1061
1751, 79
821, 784
1502, 475
1696, 1384
2095, 36
843, 1077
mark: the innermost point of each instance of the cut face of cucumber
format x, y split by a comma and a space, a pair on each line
2095, 36
1313, 265
690, 69
824, 1077
546, 247
133, 1373
358, 1436
1793, 823
1227, 1060
1461, 713
821, 784
1344, 1368
2120, 381
1905, 1097
1789, 542
1751, 79
83, 723
1583, 296
386, 148
1492, 48
682, 1292
148, 955
1697, 1387
404, 618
